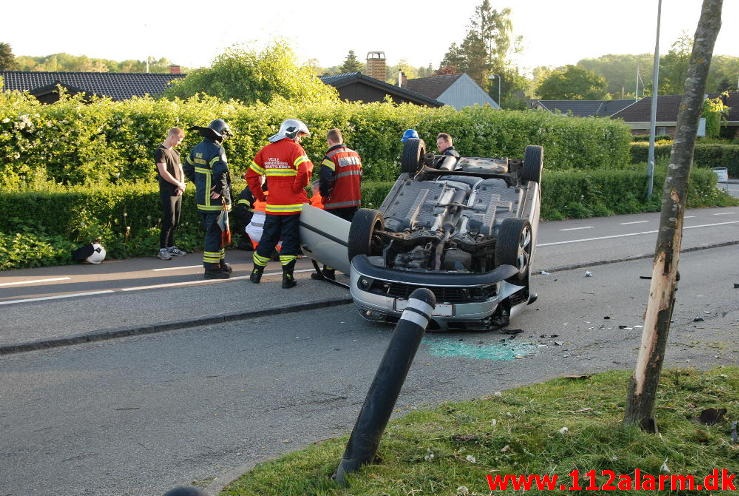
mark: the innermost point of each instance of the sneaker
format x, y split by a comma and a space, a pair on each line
164, 254
176, 252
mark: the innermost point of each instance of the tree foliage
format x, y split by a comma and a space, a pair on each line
351, 63
573, 83
64, 62
250, 77
485, 51
674, 67
7, 59
485, 48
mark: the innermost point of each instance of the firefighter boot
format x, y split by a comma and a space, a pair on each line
256, 274
288, 280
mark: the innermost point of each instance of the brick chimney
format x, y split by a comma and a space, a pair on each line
175, 69
376, 65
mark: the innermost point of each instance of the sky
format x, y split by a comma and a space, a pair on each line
191, 34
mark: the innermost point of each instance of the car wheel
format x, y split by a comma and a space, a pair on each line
412, 158
513, 247
532, 163
362, 240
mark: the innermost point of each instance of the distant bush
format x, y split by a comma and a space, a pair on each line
707, 155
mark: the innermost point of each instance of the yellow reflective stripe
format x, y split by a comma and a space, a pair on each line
260, 261
329, 163
295, 207
300, 160
209, 208
256, 168
281, 172
286, 259
211, 256
214, 160
349, 173
203, 170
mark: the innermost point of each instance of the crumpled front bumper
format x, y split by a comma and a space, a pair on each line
464, 300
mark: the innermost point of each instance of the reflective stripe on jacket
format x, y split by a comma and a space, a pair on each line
288, 170
207, 168
341, 178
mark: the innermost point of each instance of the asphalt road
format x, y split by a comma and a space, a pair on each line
138, 415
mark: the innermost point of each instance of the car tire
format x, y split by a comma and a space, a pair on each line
533, 161
362, 240
513, 246
412, 158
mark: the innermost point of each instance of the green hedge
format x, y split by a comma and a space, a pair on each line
126, 218
72, 172
707, 155
72, 142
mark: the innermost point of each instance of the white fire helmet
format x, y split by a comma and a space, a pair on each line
98, 254
290, 128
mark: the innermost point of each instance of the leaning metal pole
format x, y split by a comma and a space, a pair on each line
653, 117
385, 388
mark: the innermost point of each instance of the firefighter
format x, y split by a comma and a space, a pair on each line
206, 166
340, 180
242, 213
287, 169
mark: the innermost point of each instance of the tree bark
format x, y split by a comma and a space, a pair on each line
645, 380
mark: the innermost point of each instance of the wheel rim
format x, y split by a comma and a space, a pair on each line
524, 251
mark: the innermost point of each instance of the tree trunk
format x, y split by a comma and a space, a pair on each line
644, 381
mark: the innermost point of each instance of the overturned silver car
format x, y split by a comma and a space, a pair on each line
465, 228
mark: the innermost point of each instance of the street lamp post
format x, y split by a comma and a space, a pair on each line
500, 83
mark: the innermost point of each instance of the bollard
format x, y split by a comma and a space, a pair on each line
385, 388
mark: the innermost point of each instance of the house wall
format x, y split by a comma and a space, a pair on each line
466, 93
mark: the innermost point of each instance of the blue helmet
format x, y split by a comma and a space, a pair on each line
409, 134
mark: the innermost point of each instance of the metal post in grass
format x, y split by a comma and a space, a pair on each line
385, 388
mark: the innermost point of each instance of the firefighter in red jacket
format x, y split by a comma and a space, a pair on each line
287, 169
340, 179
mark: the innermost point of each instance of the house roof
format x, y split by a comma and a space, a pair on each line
116, 85
344, 80
668, 107
585, 108
432, 86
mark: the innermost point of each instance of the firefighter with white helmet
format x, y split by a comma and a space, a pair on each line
287, 170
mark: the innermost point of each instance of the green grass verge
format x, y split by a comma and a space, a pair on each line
555, 427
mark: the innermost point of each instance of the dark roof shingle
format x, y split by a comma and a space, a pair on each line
432, 86
116, 85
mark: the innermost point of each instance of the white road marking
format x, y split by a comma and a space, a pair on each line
34, 281
576, 228
724, 213
58, 297
139, 288
582, 240
634, 222
179, 268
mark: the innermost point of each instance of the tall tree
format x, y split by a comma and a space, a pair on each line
7, 59
572, 83
351, 63
674, 66
643, 384
250, 77
484, 50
